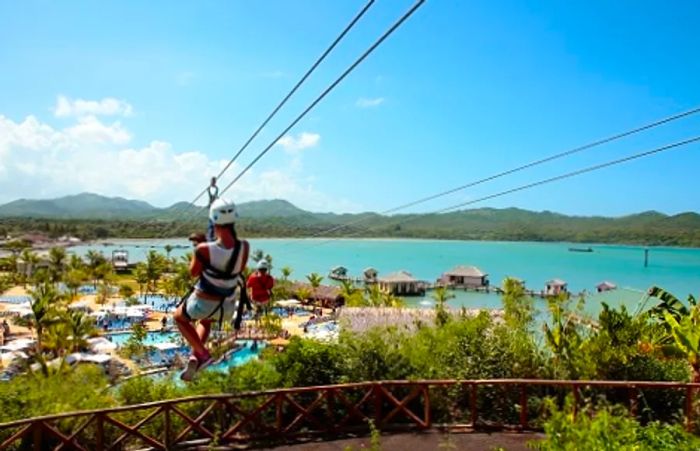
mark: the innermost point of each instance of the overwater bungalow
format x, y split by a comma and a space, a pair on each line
370, 275
555, 287
401, 283
605, 286
466, 277
338, 273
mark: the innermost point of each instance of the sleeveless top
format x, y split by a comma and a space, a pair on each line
213, 281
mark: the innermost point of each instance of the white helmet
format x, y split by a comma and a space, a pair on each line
263, 264
222, 212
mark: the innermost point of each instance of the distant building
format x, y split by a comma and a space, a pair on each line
401, 283
370, 275
466, 276
338, 273
326, 296
605, 286
555, 287
120, 260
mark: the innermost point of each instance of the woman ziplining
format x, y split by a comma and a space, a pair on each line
220, 292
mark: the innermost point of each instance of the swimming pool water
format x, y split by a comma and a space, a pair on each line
240, 357
152, 338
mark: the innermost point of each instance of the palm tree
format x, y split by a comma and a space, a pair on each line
155, 266
391, 300
74, 279
141, 275
686, 334
30, 261
441, 296
80, 326
44, 299
314, 279
304, 293
95, 260
286, 272
12, 262
168, 249
57, 260
75, 262
352, 295
125, 291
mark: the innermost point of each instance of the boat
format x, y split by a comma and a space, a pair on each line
580, 249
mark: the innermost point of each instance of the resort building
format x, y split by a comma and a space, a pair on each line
120, 260
325, 296
370, 275
555, 287
605, 286
401, 283
466, 276
338, 273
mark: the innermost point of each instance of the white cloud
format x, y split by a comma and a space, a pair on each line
303, 140
109, 106
40, 161
364, 102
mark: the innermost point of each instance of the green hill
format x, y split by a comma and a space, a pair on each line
91, 215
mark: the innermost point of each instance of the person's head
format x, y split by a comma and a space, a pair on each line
223, 215
263, 266
213, 181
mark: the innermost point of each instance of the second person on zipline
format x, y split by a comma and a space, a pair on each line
219, 265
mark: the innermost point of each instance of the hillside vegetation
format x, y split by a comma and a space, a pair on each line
99, 217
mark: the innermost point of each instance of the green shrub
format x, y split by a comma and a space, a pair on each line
610, 428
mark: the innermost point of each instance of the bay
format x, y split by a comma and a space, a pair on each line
675, 269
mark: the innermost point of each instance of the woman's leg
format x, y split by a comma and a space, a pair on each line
189, 332
203, 329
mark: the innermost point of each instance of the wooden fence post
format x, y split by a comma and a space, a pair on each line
689, 409
36, 434
166, 438
523, 406
377, 393
472, 404
99, 432
633, 395
427, 411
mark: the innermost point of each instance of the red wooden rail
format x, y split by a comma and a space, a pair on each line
294, 413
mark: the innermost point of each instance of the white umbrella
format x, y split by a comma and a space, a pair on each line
165, 346
288, 303
101, 344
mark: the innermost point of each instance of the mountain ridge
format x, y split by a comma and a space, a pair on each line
101, 217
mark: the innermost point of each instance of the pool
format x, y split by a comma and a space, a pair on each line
152, 338
158, 302
240, 357
17, 299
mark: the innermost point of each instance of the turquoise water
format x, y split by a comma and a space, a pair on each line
676, 269
152, 338
239, 357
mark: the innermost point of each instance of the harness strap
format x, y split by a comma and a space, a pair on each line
238, 246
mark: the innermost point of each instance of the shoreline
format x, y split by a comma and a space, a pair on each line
123, 241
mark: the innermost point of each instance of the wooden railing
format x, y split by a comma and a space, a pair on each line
324, 411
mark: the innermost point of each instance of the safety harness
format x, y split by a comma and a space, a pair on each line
224, 293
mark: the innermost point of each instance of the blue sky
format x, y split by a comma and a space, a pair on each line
148, 99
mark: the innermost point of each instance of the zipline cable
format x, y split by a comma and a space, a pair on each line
332, 86
557, 156
537, 183
294, 89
